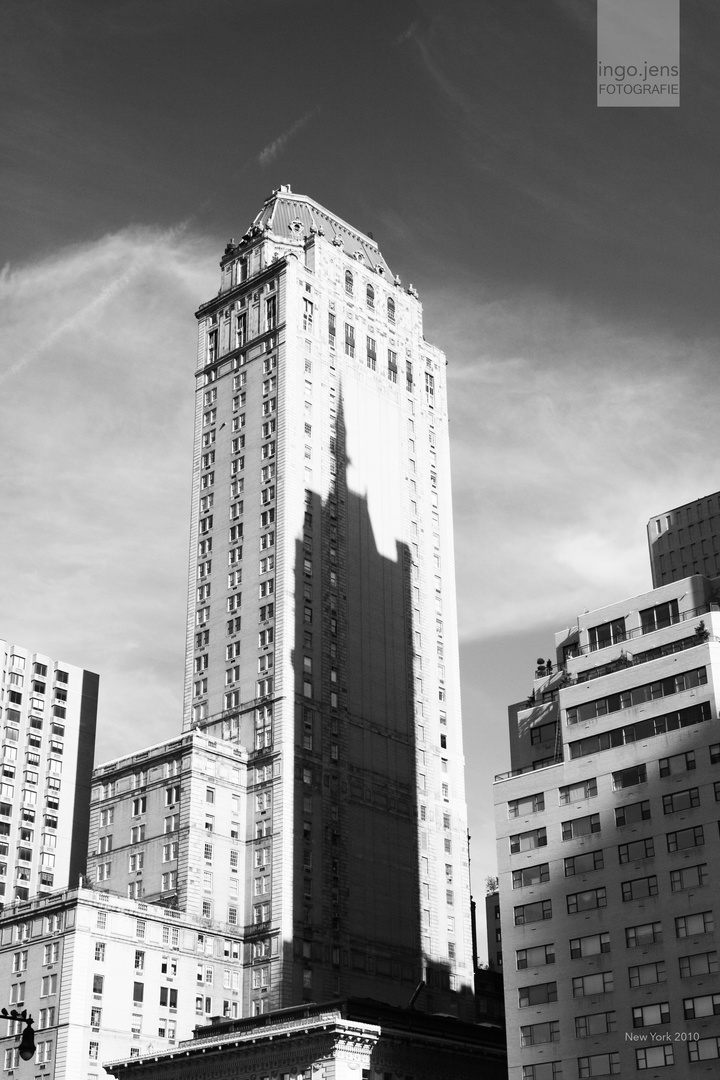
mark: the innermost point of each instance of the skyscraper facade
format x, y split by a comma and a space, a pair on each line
321, 610
48, 739
608, 845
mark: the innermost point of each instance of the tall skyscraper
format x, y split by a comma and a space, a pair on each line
322, 627
48, 739
685, 541
608, 845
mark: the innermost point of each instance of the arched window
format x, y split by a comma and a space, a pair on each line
370, 296
391, 309
348, 282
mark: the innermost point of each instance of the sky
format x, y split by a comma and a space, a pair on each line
566, 257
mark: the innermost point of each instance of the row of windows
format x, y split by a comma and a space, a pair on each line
633, 851
651, 973
608, 1064
611, 633
369, 295
651, 1057
588, 789
686, 877
653, 691
635, 937
643, 729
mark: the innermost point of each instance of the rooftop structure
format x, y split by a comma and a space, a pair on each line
685, 541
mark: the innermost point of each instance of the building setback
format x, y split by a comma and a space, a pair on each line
608, 845
49, 711
685, 541
321, 610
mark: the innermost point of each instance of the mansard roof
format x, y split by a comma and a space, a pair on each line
288, 216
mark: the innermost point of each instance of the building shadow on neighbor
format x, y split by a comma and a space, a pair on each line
358, 904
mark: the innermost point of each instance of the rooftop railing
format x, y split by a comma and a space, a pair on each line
528, 769
572, 652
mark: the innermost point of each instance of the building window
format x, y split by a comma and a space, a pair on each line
636, 774
531, 875
543, 733
639, 888
677, 763
536, 994
654, 1057
527, 913
537, 956
685, 838
645, 974
584, 864
545, 1070
595, 1024
600, 982
644, 934
692, 925
599, 1065
51, 954
660, 616
632, 812
695, 1008
638, 849
530, 804
348, 282
527, 840
698, 964
592, 945
606, 634
580, 826
584, 789
585, 901
704, 1049
688, 877
645, 1015
681, 800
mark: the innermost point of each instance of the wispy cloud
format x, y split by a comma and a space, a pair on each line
97, 444
270, 152
141, 256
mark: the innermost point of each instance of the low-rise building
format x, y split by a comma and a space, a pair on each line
106, 977
168, 824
